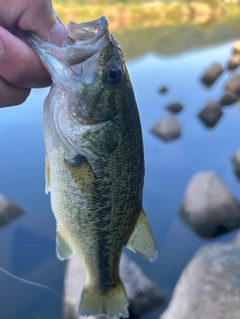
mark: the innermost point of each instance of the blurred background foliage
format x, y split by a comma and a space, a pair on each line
140, 14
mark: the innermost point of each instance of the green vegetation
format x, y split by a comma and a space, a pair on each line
135, 14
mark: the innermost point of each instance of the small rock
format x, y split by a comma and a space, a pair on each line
8, 211
236, 163
233, 85
228, 99
174, 107
236, 47
168, 128
234, 62
209, 287
211, 75
143, 295
208, 206
211, 114
163, 89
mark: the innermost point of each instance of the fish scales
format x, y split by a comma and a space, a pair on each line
95, 161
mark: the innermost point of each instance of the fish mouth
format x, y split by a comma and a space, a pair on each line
82, 42
88, 32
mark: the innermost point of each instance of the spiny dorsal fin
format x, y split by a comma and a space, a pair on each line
141, 240
64, 250
47, 175
82, 173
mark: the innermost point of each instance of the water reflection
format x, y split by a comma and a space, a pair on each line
28, 244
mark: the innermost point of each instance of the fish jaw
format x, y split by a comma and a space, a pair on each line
70, 61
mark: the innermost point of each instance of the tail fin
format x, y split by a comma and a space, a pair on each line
112, 304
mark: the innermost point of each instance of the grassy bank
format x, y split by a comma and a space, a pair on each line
151, 14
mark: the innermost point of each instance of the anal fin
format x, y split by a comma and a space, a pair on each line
64, 250
141, 240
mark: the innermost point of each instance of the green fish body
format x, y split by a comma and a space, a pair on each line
94, 161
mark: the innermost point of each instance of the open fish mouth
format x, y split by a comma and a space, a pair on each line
82, 42
88, 32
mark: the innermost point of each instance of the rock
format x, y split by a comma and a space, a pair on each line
209, 287
211, 114
236, 163
233, 85
228, 99
174, 107
234, 62
211, 75
208, 206
8, 211
163, 89
236, 47
143, 295
168, 128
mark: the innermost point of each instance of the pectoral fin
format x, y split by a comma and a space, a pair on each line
47, 175
82, 173
64, 250
141, 240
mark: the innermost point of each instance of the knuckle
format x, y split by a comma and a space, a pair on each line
11, 95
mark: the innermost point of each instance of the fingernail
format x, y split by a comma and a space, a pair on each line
58, 33
2, 47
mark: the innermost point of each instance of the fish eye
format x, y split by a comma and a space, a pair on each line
113, 75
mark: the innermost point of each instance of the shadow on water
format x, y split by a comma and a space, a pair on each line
175, 57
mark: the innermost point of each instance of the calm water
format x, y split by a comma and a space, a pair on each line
27, 247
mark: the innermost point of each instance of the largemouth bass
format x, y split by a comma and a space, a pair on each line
95, 161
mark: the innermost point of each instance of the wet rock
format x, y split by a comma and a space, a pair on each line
163, 89
228, 99
211, 114
234, 62
168, 128
211, 75
236, 47
143, 295
236, 163
174, 107
209, 287
233, 85
208, 206
8, 211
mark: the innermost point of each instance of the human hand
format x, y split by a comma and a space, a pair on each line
20, 68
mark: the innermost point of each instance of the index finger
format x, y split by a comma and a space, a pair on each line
19, 65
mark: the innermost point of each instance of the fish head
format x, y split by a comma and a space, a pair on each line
89, 68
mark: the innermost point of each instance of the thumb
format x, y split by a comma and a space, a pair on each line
40, 17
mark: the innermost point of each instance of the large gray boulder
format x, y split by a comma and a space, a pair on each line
168, 128
143, 295
8, 211
209, 287
208, 206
